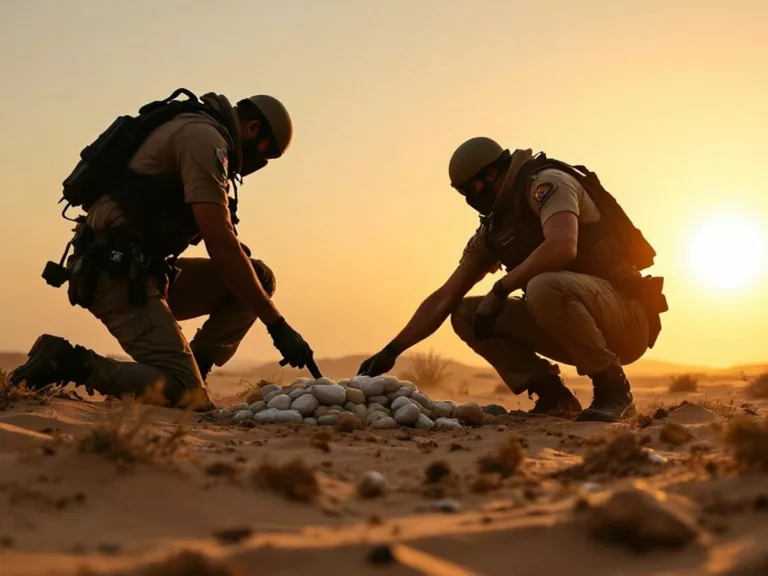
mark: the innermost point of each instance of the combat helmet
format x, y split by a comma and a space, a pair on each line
276, 115
471, 157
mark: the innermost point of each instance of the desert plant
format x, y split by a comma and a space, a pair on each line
125, 437
11, 394
428, 370
683, 383
747, 439
757, 388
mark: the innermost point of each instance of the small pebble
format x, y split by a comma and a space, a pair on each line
405, 391
448, 506
269, 388
310, 421
242, 415
335, 409
407, 415
238, 407
448, 424
273, 394
329, 395
257, 407
495, 410
281, 402
443, 409
325, 382
296, 392
360, 411
373, 387
391, 384
357, 381
344, 383
321, 411
400, 402
423, 423
224, 413
327, 420
303, 382
654, 456
383, 423
305, 405
355, 396
376, 415
391, 396
422, 399
379, 400
377, 407
372, 485
273, 415
469, 413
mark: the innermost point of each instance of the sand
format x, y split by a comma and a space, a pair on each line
64, 511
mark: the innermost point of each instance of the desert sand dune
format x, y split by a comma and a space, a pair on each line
65, 507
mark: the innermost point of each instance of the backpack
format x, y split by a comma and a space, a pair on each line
105, 161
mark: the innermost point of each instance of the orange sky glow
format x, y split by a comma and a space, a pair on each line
666, 101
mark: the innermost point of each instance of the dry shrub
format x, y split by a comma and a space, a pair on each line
436, 471
252, 392
295, 479
683, 383
10, 394
321, 439
675, 434
505, 460
621, 456
427, 370
757, 388
747, 438
125, 437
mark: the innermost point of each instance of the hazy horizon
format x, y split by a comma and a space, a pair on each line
666, 101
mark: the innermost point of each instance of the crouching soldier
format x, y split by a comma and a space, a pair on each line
151, 185
568, 245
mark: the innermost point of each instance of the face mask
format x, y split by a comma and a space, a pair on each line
253, 159
483, 200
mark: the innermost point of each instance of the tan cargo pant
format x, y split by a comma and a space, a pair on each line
151, 335
570, 318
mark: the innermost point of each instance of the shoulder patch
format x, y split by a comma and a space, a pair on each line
543, 192
223, 163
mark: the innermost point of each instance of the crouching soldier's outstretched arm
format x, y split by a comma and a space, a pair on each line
238, 275
429, 316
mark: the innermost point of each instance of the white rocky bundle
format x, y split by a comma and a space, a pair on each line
381, 402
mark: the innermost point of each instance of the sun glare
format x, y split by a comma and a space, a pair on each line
727, 251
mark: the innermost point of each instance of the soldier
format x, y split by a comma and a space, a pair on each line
568, 245
174, 192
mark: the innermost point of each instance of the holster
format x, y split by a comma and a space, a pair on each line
82, 268
648, 290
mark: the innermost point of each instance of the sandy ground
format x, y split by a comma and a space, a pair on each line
63, 511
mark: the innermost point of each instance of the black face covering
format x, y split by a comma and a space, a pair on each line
253, 159
483, 200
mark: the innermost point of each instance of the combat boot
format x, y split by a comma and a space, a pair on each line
612, 399
52, 360
554, 397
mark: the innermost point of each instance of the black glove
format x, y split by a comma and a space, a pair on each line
291, 345
489, 309
380, 363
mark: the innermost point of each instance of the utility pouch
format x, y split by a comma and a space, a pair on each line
83, 277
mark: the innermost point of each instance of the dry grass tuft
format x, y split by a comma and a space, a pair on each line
505, 460
621, 456
757, 388
10, 395
125, 437
252, 392
321, 440
347, 422
683, 383
747, 439
428, 370
295, 480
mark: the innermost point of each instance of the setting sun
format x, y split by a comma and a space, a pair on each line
727, 250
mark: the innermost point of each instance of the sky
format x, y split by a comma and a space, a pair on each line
667, 100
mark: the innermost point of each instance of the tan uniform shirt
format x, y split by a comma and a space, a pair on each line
550, 192
190, 145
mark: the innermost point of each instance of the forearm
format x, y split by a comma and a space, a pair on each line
546, 257
240, 278
429, 316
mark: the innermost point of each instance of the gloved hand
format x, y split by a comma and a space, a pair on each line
291, 345
380, 363
489, 309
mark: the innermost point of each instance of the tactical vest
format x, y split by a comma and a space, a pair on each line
610, 248
155, 208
